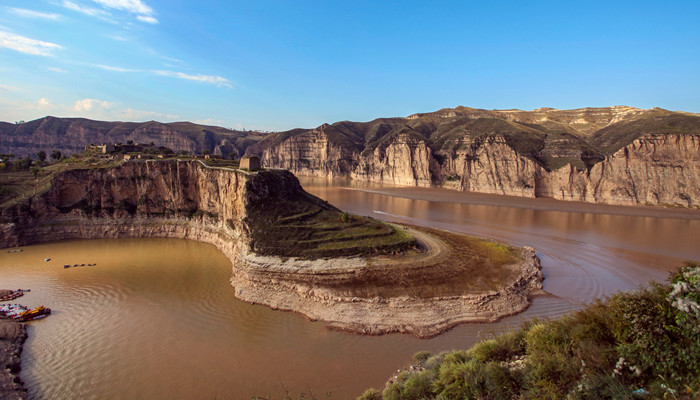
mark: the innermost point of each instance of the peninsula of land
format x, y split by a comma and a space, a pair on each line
289, 250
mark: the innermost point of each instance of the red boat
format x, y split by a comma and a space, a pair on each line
39, 312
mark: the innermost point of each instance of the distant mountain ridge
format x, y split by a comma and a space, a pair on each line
71, 135
619, 155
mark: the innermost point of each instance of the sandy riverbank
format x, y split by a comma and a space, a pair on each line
12, 336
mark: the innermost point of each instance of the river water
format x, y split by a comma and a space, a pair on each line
157, 318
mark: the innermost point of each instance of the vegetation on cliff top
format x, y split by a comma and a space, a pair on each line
305, 226
643, 344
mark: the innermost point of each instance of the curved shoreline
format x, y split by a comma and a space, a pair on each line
330, 290
320, 292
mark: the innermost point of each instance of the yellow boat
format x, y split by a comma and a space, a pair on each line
39, 312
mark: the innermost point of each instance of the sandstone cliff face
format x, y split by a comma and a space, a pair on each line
615, 155
655, 169
406, 160
141, 194
310, 154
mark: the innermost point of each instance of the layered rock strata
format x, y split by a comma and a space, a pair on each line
613, 155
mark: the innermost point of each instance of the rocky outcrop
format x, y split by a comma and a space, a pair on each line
350, 294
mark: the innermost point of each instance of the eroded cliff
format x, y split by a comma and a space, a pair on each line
614, 155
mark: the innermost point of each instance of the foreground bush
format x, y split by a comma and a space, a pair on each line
643, 344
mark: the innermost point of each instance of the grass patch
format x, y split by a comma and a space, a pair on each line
310, 228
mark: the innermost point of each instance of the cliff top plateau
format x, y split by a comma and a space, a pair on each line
553, 138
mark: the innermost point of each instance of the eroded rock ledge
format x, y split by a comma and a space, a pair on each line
413, 293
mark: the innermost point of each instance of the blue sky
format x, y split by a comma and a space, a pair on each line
277, 65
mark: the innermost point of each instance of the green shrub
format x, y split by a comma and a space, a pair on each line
648, 339
502, 348
422, 356
370, 394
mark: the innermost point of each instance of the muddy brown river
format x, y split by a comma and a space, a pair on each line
157, 318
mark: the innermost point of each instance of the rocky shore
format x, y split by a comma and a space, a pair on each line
12, 336
381, 295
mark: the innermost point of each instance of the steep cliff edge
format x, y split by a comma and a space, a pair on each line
289, 249
614, 155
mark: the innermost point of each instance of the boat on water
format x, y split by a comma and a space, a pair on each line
12, 310
23, 313
37, 313
14, 294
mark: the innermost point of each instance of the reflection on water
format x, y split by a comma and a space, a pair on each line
157, 318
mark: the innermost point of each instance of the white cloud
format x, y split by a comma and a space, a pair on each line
33, 14
115, 69
85, 10
133, 6
59, 70
90, 104
119, 38
147, 19
44, 104
26, 45
214, 80
5, 88
143, 12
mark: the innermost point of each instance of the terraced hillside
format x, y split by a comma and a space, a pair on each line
313, 229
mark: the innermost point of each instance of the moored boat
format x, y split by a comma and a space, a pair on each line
39, 312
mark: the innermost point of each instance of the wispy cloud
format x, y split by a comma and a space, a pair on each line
26, 45
95, 12
56, 69
214, 80
115, 69
143, 12
147, 19
33, 14
210, 79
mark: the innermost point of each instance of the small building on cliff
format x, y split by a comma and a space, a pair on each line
251, 163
